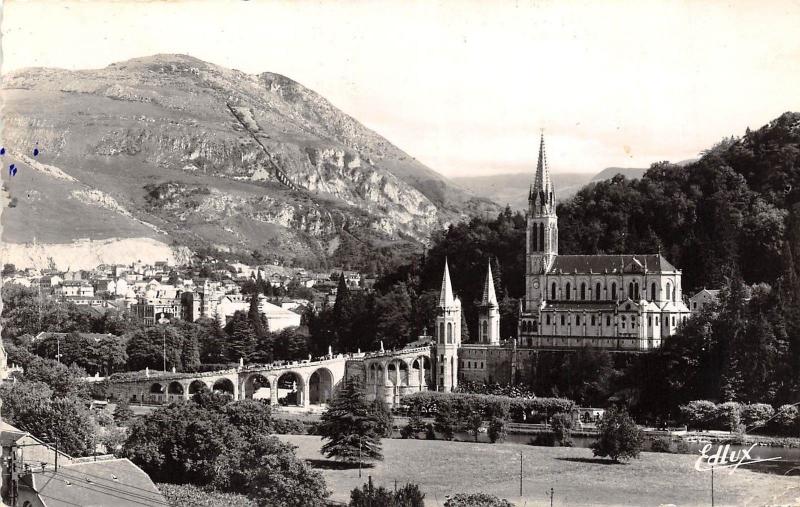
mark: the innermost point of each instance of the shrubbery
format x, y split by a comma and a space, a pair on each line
732, 416
431, 402
476, 500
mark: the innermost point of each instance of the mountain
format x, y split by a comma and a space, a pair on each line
512, 189
186, 153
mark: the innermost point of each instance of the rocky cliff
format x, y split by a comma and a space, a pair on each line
199, 155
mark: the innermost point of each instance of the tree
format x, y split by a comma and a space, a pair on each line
30, 406
384, 418
350, 426
561, 425
123, 413
474, 422
497, 429
414, 427
446, 420
620, 438
408, 495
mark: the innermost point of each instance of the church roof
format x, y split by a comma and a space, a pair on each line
489, 298
446, 298
625, 263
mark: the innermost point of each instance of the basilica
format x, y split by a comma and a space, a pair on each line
623, 303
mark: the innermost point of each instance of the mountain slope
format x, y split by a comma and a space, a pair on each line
213, 157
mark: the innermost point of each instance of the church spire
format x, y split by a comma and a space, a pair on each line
446, 298
489, 297
541, 193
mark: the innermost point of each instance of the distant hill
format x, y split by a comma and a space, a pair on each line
188, 153
512, 189
628, 172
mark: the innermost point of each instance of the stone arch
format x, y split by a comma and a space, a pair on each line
197, 386
372, 373
391, 372
449, 332
320, 386
257, 387
156, 388
175, 387
291, 389
224, 386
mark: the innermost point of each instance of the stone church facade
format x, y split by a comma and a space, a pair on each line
627, 303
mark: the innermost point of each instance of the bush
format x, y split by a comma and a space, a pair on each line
414, 427
385, 420
785, 421
476, 500
187, 495
430, 434
288, 427
682, 447
620, 438
755, 415
729, 416
661, 445
431, 402
699, 414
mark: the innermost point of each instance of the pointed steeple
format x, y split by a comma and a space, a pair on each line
489, 297
446, 298
541, 193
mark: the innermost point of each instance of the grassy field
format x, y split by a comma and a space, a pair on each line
443, 468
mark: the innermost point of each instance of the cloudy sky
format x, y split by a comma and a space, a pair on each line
466, 86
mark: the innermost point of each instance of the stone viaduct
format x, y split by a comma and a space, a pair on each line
388, 375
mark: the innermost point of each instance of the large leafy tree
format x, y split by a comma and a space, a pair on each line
350, 426
620, 439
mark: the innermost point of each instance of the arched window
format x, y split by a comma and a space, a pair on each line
669, 290
568, 290
535, 326
441, 332
541, 237
630, 290
485, 330
674, 291
449, 332
535, 238
613, 290
583, 291
553, 291
653, 291
597, 291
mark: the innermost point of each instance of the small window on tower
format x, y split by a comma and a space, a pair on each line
548, 319
608, 320
562, 320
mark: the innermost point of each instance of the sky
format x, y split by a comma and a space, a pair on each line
466, 86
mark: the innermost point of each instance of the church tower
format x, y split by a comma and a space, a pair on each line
542, 236
489, 316
448, 335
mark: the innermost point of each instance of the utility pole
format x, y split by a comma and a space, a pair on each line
712, 485
359, 460
520, 474
58, 348
551, 494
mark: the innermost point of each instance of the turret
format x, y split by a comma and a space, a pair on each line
489, 312
448, 335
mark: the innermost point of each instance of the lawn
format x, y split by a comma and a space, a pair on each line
443, 468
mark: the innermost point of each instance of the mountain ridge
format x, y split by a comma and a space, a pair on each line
253, 162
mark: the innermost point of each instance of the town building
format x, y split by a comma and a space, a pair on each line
702, 299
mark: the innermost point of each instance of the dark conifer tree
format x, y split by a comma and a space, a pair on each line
350, 427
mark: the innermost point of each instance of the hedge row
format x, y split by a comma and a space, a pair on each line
733, 416
520, 409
